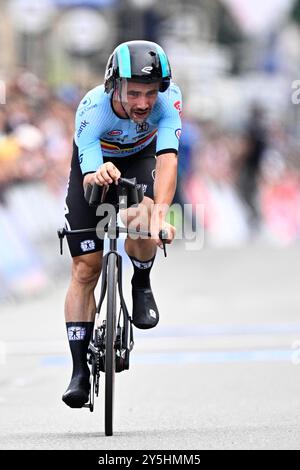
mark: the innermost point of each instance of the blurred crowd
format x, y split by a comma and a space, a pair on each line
36, 131
248, 179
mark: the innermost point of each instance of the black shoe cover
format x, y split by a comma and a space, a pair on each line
77, 393
145, 312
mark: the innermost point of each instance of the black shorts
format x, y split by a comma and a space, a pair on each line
79, 214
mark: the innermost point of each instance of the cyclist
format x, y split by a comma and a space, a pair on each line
129, 126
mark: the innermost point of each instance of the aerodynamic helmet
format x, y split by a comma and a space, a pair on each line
141, 61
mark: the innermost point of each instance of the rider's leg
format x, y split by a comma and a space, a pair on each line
80, 308
80, 302
141, 251
142, 254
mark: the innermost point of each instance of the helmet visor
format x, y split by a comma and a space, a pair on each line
130, 90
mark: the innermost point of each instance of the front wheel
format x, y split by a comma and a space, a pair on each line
110, 339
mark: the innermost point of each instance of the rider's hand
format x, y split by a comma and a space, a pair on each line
105, 175
89, 179
156, 226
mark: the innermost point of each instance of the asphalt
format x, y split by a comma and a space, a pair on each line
220, 371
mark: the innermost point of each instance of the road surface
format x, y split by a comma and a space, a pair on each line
220, 371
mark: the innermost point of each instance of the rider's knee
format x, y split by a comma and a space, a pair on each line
86, 270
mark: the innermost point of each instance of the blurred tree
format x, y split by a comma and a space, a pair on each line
295, 12
137, 23
228, 33
227, 29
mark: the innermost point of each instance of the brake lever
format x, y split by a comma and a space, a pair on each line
61, 235
163, 235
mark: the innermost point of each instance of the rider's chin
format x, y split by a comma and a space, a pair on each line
140, 117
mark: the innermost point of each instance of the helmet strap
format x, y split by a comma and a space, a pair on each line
120, 97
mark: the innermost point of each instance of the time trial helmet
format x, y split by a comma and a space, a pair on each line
140, 61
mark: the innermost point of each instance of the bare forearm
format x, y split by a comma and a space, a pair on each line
165, 181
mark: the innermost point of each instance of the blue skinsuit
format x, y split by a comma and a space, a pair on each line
99, 132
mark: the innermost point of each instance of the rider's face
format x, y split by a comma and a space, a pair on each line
140, 99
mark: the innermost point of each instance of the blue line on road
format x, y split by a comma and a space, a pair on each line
222, 330
193, 357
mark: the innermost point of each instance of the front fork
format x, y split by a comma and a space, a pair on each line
96, 352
